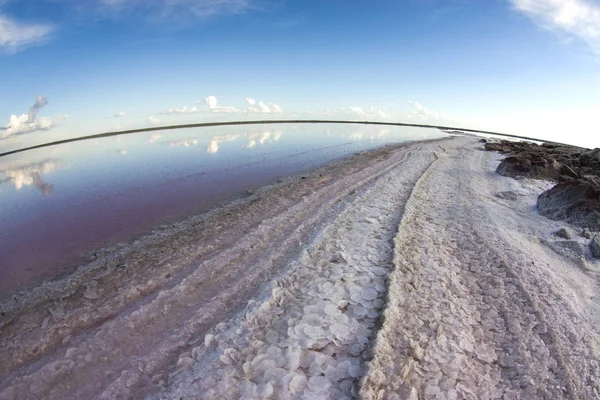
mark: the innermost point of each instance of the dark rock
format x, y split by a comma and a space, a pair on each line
576, 201
595, 246
568, 171
586, 233
594, 180
512, 166
530, 167
563, 233
550, 145
563, 178
592, 156
502, 147
549, 161
482, 140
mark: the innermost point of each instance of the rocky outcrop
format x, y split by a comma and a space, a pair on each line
576, 201
547, 161
531, 167
575, 198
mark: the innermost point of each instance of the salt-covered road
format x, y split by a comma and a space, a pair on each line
478, 306
280, 296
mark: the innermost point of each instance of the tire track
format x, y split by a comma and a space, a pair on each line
468, 317
309, 337
118, 326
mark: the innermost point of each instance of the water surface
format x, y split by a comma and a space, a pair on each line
59, 203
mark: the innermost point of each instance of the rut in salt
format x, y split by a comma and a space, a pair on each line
476, 309
393, 275
310, 337
119, 326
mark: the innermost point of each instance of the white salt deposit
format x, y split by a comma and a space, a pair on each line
478, 307
310, 337
282, 298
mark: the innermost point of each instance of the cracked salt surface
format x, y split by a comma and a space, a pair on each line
310, 338
282, 297
120, 326
478, 308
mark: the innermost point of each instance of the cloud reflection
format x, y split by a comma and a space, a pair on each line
266, 136
183, 143
31, 174
215, 141
369, 134
154, 138
254, 138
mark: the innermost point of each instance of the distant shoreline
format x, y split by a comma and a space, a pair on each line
264, 122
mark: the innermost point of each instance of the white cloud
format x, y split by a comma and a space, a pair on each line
28, 123
434, 117
579, 18
165, 8
119, 114
153, 120
14, 35
40, 102
213, 105
260, 107
183, 110
369, 112
203, 8
423, 112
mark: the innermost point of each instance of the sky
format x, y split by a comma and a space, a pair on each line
76, 67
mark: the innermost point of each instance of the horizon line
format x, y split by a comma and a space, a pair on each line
263, 122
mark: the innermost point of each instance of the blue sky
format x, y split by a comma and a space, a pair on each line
527, 67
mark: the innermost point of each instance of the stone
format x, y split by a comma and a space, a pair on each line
551, 161
568, 171
586, 233
595, 246
563, 233
592, 156
575, 201
513, 166
530, 167
502, 147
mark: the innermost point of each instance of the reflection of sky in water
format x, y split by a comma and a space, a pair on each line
152, 157
174, 161
31, 174
116, 186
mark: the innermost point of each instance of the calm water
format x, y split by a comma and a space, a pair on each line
59, 202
